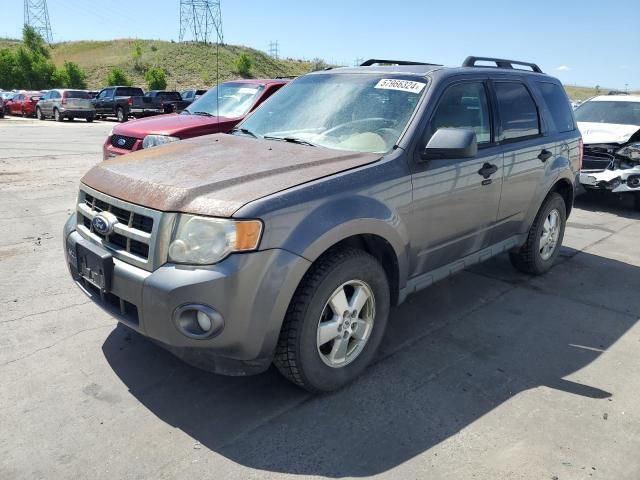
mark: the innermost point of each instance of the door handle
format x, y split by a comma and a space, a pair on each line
487, 170
545, 155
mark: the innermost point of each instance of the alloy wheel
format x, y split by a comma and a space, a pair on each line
346, 323
549, 235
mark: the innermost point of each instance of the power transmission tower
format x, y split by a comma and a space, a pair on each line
273, 49
201, 18
36, 15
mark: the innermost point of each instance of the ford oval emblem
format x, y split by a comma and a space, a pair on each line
121, 142
103, 223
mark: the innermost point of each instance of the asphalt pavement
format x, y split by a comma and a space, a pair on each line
488, 375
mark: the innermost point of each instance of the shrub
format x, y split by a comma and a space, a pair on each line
244, 64
156, 78
318, 64
73, 75
117, 77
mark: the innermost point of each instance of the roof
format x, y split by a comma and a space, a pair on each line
615, 98
259, 81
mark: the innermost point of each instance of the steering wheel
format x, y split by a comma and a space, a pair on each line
342, 126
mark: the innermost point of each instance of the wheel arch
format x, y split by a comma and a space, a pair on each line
566, 190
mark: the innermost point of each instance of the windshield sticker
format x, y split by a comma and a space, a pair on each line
402, 85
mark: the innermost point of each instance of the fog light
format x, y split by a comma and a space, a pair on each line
198, 321
203, 321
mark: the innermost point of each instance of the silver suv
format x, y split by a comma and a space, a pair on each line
65, 103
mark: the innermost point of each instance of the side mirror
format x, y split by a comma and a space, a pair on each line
451, 143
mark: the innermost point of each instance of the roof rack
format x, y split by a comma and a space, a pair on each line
375, 61
500, 63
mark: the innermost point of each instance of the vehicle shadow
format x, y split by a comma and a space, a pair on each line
452, 354
620, 205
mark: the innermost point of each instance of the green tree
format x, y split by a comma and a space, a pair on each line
597, 89
75, 76
117, 77
7, 67
318, 64
34, 42
136, 55
156, 78
244, 64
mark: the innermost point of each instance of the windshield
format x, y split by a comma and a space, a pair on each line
621, 113
355, 112
235, 100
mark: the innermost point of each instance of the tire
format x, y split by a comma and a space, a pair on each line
300, 354
39, 114
533, 258
56, 115
89, 119
23, 113
121, 116
70, 119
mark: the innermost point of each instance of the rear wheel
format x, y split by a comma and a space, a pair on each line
70, 119
122, 117
544, 240
89, 119
57, 116
39, 114
335, 322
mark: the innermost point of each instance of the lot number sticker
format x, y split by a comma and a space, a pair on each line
402, 85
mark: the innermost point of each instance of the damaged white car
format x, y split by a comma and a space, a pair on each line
610, 127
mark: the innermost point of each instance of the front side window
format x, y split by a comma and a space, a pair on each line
558, 105
353, 112
518, 111
464, 105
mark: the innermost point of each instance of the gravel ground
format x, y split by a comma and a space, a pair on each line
488, 375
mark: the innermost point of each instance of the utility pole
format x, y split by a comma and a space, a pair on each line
202, 19
274, 49
358, 61
36, 15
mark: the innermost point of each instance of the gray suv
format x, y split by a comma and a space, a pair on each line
289, 240
62, 103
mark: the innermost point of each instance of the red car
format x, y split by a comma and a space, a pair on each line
204, 116
23, 103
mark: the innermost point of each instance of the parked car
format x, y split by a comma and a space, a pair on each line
116, 102
7, 95
289, 240
65, 103
1, 107
93, 93
191, 95
157, 102
23, 103
610, 126
202, 117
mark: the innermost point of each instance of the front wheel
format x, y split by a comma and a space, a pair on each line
89, 119
335, 322
544, 240
57, 116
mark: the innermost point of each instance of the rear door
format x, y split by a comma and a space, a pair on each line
527, 152
455, 206
78, 100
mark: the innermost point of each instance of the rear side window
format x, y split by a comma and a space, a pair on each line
169, 95
518, 112
558, 104
77, 94
464, 105
129, 92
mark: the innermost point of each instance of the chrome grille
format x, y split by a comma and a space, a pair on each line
134, 239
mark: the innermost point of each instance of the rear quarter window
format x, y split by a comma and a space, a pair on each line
558, 105
518, 111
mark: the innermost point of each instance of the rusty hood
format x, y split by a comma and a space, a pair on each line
217, 174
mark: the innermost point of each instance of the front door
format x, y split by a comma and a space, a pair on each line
456, 200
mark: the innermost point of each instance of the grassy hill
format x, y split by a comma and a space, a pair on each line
187, 64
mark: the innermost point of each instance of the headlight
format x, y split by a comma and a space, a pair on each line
631, 151
155, 140
204, 240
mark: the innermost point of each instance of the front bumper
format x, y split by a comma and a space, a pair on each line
250, 291
615, 181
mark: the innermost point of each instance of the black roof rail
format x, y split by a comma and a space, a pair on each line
500, 63
375, 61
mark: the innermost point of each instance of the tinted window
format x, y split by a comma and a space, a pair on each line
129, 92
464, 106
558, 104
518, 113
77, 94
169, 95
617, 112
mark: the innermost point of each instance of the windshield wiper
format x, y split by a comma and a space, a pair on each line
299, 141
206, 114
246, 131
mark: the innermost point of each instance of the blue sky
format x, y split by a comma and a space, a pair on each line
580, 42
